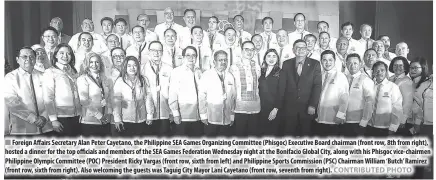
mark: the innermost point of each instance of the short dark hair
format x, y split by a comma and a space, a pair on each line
426, 69
187, 10
266, 18
299, 14
229, 28
49, 28
112, 51
370, 49
120, 20
106, 19
252, 37
54, 59
169, 29
25, 47
215, 55
353, 55
405, 63
323, 22
310, 35
323, 33
152, 42
83, 33
245, 42
328, 52
239, 16
110, 35
381, 36
189, 47
216, 18
196, 27
298, 41
138, 26
379, 63
347, 24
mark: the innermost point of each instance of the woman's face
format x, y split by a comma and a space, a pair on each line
132, 68
415, 69
271, 59
398, 67
63, 55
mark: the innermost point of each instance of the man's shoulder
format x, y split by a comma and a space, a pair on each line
11, 75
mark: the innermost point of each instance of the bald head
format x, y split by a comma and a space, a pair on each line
282, 37
402, 49
342, 45
169, 14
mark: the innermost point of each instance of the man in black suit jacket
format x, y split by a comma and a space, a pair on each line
299, 92
58, 24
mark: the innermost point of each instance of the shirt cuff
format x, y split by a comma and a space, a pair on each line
340, 115
176, 113
31, 118
98, 115
149, 116
363, 123
203, 116
393, 127
53, 118
418, 121
232, 117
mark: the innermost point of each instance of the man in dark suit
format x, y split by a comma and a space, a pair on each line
58, 25
299, 92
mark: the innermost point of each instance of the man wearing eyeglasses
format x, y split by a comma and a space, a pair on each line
139, 48
23, 97
167, 24
246, 73
204, 61
299, 92
112, 42
300, 32
158, 75
99, 42
50, 38
185, 32
59, 26
144, 21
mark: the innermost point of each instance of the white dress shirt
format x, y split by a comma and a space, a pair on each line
293, 36
285, 53
162, 27
167, 56
185, 38
134, 49
99, 43
218, 40
361, 99
272, 37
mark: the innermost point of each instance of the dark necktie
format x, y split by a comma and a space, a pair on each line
240, 39
269, 39
258, 59
324, 83
211, 39
34, 98
281, 52
156, 72
367, 44
231, 57
173, 56
121, 40
140, 51
302, 36
199, 58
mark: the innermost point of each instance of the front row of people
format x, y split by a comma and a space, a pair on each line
304, 98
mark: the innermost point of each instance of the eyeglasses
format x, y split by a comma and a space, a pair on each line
191, 56
118, 56
249, 49
415, 68
301, 48
27, 57
155, 51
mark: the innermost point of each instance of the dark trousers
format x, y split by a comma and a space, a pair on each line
405, 131
160, 127
114, 132
212, 130
95, 130
71, 126
134, 129
189, 129
376, 132
266, 127
245, 125
299, 124
325, 130
351, 130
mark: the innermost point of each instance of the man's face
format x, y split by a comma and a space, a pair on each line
386, 41
300, 49
169, 15
170, 38
118, 57
310, 41
41, 55
112, 42
398, 67
282, 38
353, 65
248, 51
120, 27
267, 25
107, 26
155, 50
366, 31
258, 42
213, 24
299, 22
380, 73
221, 62
197, 35
87, 26
370, 58
324, 40
138, 34
50, 38
143, 21
347, 31
239, 23
189, 19
402, 50
26, 60
322, 27
190, 56
57, 24
230, 37
342, 45
86, 41
379, 47
327, 62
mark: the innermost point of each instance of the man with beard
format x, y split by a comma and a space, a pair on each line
59, 26
300, 32
185, 32
172, 54
283, 48
98, 41
242, 35
139, 47
168, 24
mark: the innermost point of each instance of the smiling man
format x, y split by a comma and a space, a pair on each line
283, 48
300, 31
99, 42
185, 32
167, 24
58, 24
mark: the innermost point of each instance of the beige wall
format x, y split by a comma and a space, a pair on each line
314, 10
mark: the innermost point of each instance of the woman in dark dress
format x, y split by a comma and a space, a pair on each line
268, 84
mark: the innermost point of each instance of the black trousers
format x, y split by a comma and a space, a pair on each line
134, 129
189, 129
351, 130
299, 124
266, 127
160, 127
212, 130
325, 130
376, 132
71, 126
405, 131
245, 125
94, 130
